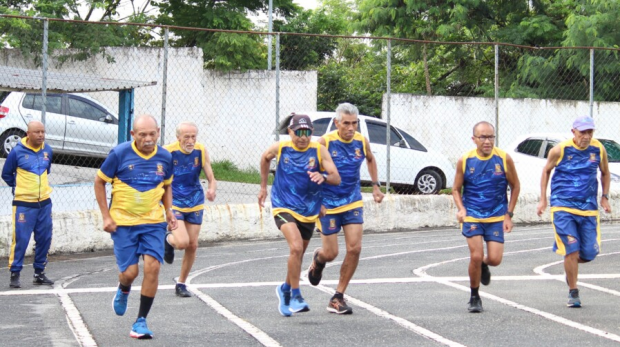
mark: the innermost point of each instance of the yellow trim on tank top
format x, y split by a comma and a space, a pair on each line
484, 220
303, 219
588, 213
347, 207
189, 209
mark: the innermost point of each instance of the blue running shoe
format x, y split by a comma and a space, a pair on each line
120, 302
139, 330
298, 304
573, 298
284, 300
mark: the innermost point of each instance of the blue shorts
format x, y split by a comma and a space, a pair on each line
490, 231
576, 233
332, 223
190, 217
130, 242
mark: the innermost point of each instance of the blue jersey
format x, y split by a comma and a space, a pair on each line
26, 170
574, 185
485, 186
292, 191
137, 183
187, 193
348, 157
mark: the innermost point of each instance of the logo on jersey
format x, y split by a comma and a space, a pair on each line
175, 162
160, 170
26, 156
131, 167
498, 169
286, 160
21, 218
334, 153
358, 153
196, 162
46, 156
592, 157
311, 163
571, 239
332, 224
570, 157
471, 170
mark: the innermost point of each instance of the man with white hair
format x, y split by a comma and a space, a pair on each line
189, 158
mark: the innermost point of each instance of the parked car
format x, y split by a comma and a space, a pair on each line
529, 153
414, 168
74, 123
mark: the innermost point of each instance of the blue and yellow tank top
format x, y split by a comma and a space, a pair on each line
137, 183
187, 193
348, 156
574, 185
484, 187
292, 191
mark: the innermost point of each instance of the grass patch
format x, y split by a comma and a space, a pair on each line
226, 170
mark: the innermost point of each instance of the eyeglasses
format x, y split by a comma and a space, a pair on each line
303, 132
484, 138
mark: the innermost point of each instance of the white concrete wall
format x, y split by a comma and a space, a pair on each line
82, 231
445, 123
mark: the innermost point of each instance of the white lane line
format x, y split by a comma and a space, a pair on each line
400, 321
254, 331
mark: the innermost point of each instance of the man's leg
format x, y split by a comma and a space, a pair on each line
297, 247
476, 253
322, 255
175, 239
188, 258
571, 267
353, 239
23, 223
139, 329
43, 240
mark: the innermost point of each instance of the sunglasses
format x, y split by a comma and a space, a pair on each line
303, 132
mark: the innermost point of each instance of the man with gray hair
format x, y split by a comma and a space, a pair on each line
342, 204
189, 159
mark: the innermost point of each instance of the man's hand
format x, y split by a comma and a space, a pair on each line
460, 216
377, 194
507, 224
605, 204
323, 212
262, 195
210, 194
109, 225
171, 220
316, 177
542, 206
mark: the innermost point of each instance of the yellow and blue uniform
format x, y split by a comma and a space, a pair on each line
485, 194
574, 200
293, 194
188, 197
26, 169
138, 182
344, 202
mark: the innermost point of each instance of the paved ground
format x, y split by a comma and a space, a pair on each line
410, 289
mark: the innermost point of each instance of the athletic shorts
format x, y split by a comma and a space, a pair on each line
332, 223
305, 229
576, 233
190, 217
490, 231
130, 242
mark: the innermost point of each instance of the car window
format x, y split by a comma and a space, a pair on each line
530, 147
320, 126
413, 143
613, 150
377, 134
3, 96
53, 103
550, 144
82, 109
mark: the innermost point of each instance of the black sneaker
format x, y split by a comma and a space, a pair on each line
315, 271
475, 304
40, 279
168, 250
182, 291
339, 306
15, 280
485, 276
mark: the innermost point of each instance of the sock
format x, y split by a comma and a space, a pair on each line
180, 283
286, 287
145, 306
474, 291
296, 291
338, 295
125, 289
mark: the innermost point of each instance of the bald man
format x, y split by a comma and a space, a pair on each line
140, 172
26, 169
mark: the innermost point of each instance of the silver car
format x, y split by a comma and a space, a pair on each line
75, 124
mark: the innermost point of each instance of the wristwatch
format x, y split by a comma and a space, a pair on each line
376, 183
325, 176
606, 196
510, 214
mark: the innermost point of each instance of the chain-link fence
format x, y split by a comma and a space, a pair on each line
422, 98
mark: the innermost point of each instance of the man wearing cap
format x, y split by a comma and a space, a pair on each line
296, 199
574, 199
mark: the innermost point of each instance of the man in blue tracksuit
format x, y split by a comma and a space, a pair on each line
26, 169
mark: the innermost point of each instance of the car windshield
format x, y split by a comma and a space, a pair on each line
613, 150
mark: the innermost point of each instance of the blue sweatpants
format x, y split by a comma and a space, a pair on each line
25, 221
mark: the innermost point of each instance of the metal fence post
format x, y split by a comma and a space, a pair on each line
496, 95
591, 82
44, 72
388, 113
269, 39
277, 85
164, 88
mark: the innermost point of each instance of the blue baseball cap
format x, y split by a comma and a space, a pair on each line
583, 123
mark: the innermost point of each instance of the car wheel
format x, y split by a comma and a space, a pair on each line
9, 140
428, 182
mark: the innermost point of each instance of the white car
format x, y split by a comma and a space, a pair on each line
529, 154
414, 168
74, 123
